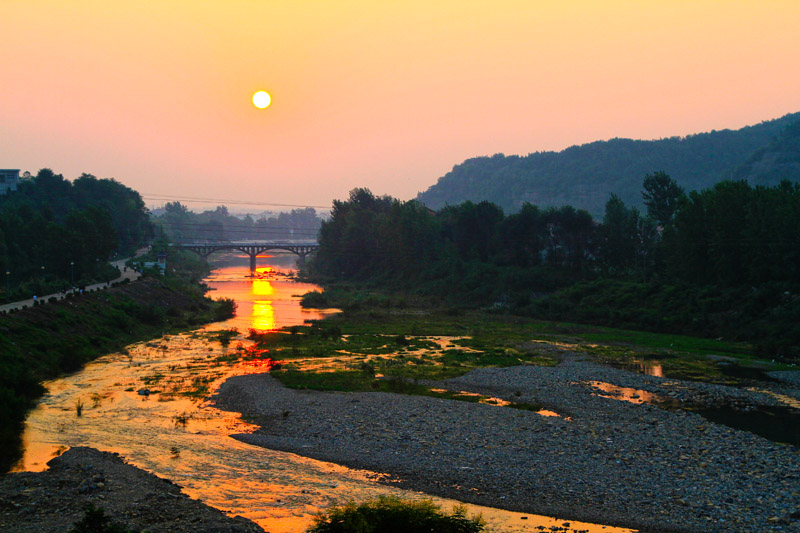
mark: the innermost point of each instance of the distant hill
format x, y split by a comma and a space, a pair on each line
777, 161
584, 176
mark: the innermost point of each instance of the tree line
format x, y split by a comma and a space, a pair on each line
177, 223
724, 239
54, 232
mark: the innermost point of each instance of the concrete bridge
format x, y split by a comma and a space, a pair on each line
251, 248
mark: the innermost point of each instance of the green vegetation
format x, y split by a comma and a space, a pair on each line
55, 234
373, 357
776, 161
42, 342
388, 514
723, 262
763, 317
364, 350
584, 176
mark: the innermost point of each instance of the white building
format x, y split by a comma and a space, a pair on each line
9, 179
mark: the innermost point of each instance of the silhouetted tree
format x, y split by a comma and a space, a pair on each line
662, 196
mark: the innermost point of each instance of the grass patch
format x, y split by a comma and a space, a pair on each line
388, 514
343, 380
392, 344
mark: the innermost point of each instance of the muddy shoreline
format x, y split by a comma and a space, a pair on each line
603, 460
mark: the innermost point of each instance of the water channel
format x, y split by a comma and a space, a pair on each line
181, 437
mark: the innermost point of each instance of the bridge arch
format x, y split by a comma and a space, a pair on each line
250, 248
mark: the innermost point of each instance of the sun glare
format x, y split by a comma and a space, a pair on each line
261, 99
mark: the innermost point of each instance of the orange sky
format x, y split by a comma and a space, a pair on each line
385, 94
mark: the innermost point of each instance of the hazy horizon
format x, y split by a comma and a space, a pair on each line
382, 95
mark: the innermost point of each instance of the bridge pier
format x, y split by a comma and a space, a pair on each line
252, 249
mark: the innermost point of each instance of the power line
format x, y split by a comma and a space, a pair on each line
219, 201
223, 225
205, 230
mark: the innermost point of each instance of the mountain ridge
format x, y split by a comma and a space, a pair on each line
584, 176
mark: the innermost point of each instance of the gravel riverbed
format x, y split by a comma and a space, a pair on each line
603, 460
55, 500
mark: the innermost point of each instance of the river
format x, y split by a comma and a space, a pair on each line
175, 433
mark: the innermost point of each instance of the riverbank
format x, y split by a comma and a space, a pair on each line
55, 500
602, 460
125, 275
39, 343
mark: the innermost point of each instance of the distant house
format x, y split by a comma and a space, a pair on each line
160, 264
9, 179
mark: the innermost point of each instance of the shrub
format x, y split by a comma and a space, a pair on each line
225, 309
402, 340
96, 521
314, 299
391, 515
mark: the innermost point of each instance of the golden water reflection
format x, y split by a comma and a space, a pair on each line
625, 394
266, 301
263, 315
279, 491
262, 287
176, 434
648, 369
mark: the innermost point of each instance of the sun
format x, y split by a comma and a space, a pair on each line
261, 99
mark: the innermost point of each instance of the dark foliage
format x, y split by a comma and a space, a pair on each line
777, 161
96, 521
392, 515
54, 233
584, 176
721, 262
662, 196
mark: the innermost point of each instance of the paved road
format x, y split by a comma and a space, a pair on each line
120, 264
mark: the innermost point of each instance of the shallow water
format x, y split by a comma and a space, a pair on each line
268, 301
625, 394
174, 433
777, 423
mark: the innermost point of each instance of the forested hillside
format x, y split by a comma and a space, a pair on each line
584, 176
779, 160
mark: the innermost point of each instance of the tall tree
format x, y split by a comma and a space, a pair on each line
662, 196
570, 233
523, 237
472, 228
627, 240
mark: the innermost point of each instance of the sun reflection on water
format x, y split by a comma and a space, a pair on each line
266, 301
280, 491
262, 287
263, 315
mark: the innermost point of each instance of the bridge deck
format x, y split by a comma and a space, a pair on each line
251, 248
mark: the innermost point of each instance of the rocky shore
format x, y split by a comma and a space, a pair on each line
57, 499
602, 460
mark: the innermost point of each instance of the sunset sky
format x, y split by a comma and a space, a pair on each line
378, 93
